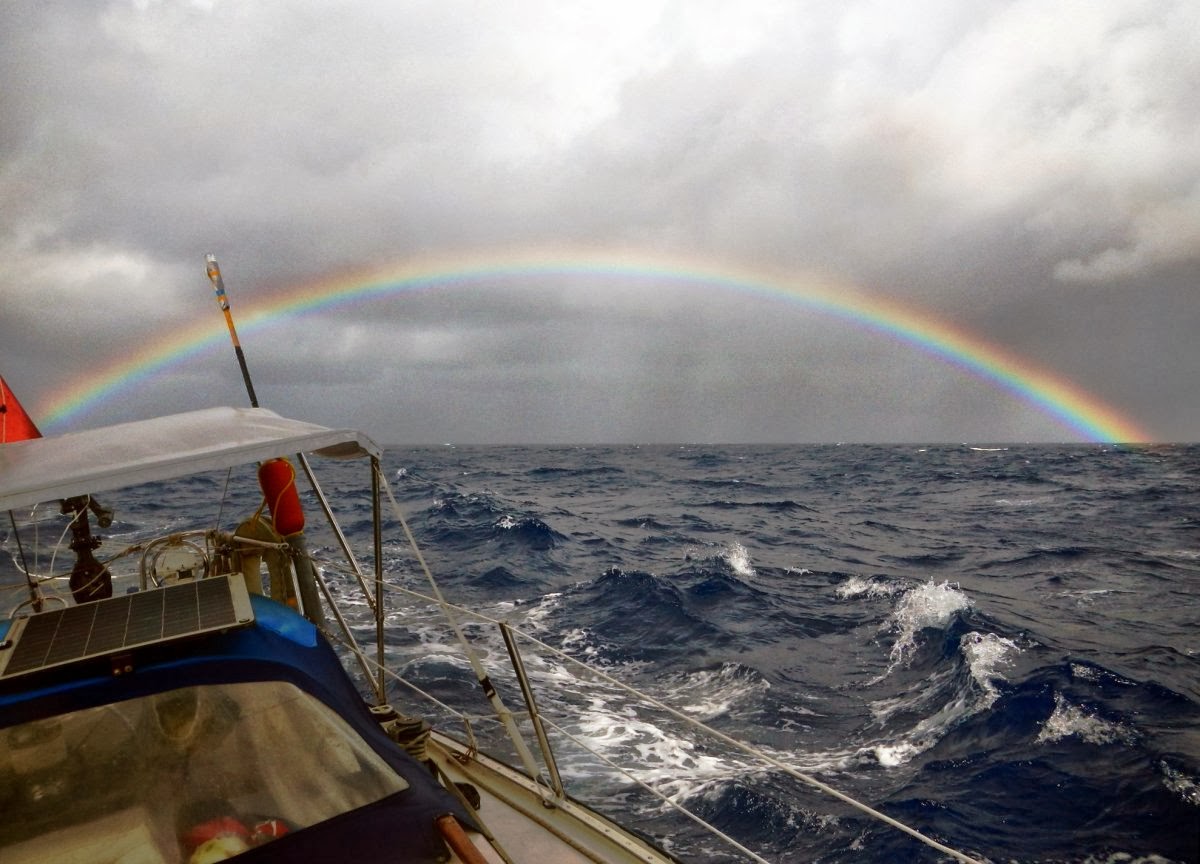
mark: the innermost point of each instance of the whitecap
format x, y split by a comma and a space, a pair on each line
537, 614
1086, 596
1069, 720
578, 640
668, 761
857, 586
895, 755
738, 558
1126, 858
1187, 788
984, 652
931, 605
709, 693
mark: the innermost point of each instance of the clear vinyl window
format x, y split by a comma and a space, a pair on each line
196, 774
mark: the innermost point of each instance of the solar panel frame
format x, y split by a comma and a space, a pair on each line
104, 627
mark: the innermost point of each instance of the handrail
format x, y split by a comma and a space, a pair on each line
535, 718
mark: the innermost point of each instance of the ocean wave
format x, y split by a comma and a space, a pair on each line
967, 640
645, 523
711, 692
871, 588
1076, 721
529, 531
929, 606
985, 653
1176, 780
738, 559
963, 687
785, 505
557, 472
920, 717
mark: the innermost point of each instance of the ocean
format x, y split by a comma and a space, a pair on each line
995, 645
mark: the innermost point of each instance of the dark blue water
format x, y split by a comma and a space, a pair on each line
996, 646
999, 647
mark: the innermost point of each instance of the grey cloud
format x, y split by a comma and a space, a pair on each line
1026, 170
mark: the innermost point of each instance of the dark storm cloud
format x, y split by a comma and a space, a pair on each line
1030, 170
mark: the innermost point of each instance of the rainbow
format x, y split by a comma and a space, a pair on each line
1076, 410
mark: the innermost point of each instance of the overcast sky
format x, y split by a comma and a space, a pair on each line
1027, 170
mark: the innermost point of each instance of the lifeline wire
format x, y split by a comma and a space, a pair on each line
480, 673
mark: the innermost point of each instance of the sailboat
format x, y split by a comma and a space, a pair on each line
215, 690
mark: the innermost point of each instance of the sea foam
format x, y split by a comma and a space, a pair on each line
1068, 720
931, 605
985, 653
738, 559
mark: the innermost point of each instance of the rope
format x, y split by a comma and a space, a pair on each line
35, 596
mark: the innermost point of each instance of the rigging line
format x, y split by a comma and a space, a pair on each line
770, 760
353, 647
461, 610
481, 675
464, 718
34, 594
58, 544
740, 745
467, 719
224, 498
400, 679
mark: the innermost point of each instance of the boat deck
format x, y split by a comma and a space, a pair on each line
513, 810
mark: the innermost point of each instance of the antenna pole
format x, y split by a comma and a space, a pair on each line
214, 275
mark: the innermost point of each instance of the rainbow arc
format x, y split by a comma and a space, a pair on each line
1081, 413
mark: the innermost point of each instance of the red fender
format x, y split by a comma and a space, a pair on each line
277, 478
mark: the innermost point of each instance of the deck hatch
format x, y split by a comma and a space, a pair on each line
104, 627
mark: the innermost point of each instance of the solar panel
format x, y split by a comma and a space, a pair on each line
104, 627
